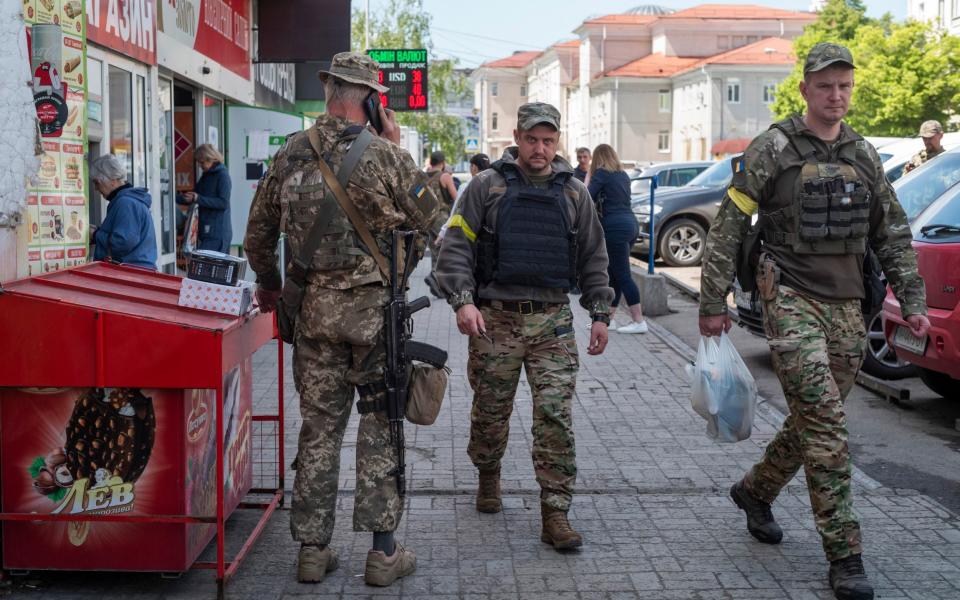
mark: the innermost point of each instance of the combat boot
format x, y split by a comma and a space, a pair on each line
488, 492
760, 521
382, 570
848, 579
313, 563
557, 530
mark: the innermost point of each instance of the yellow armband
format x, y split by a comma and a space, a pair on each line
745, 203
461, 223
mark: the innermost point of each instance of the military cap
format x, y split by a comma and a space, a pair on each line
355, 68
930, 128
532, 114
825, 54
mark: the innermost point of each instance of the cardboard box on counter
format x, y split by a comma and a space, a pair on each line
230, 300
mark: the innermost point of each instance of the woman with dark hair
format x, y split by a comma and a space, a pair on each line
610, 188
478, 163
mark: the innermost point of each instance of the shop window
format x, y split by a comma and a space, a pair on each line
168, 209
213, 121
120, 99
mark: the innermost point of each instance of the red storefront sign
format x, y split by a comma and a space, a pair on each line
218, 29
127, 26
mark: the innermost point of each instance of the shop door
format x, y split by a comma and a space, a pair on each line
168, 207
184, 144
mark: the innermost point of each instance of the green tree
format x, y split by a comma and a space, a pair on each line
906, 73
404, 24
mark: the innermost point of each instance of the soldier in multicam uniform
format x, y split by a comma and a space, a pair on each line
521, 235
822, 198
931, 132
339, 343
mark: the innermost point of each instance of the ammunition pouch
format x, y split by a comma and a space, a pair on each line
288, 307
428, 378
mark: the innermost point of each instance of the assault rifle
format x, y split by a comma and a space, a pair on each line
401, 350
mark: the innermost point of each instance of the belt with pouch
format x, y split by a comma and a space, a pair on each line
524, 307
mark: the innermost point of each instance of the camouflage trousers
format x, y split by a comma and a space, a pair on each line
544, 345
817, 348
347, 349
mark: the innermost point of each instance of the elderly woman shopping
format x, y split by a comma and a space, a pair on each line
212, 196
126, 235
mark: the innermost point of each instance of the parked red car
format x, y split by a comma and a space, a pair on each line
936, 238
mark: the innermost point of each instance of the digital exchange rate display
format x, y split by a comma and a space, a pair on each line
404, 71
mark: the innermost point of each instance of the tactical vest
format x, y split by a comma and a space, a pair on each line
831, 210
339, 247
535, 244
439, 190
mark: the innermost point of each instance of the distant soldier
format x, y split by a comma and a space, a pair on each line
822, 199
932, 133
443, 187
522, 234
339, 346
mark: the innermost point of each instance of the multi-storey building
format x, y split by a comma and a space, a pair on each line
655, 84
944, 13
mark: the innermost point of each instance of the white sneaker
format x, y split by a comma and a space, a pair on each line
634, 327
612, 326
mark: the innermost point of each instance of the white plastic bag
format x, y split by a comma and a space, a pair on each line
723, 390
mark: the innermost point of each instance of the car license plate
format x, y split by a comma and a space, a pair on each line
906, 340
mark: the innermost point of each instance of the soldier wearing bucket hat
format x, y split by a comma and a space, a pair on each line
338, 328
931, 132
522, 235
823, 202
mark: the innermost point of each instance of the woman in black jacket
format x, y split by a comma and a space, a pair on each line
610, 189
212, 196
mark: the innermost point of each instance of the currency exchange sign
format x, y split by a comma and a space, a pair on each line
404, 71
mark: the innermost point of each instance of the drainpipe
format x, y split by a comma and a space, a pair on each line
616, 113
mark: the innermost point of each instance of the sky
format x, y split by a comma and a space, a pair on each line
476, 31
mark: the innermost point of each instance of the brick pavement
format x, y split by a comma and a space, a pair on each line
652, 505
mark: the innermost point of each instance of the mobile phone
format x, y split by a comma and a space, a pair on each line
371, 106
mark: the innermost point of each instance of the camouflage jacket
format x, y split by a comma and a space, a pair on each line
921, 157
387, 189
763, 180
477, 207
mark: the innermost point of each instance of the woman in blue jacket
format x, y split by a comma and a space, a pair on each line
212, 196
610, 189
126, 235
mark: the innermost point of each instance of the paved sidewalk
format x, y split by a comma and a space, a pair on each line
652, 504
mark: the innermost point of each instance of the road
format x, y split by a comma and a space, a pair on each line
915, 446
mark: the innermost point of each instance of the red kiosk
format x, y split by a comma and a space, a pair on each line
125, 417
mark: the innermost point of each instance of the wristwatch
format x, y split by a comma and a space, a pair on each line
601, 317
459, 299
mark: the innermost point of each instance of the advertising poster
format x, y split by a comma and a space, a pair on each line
58, 231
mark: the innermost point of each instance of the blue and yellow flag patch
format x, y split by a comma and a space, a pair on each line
739, 165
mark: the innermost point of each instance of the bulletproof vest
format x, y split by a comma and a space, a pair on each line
535, 243
340, 247
830, 213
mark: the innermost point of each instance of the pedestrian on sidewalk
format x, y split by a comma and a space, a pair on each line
610, 188
338, 346
523, 233
126, 235
444, 189
822, 199
583, 164
478, 163
212, 196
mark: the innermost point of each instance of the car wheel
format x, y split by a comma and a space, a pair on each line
941, 383
881, 359
682, 243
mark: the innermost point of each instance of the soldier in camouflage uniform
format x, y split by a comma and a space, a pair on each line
822, 198
931, 132
442, 185
339, 342
522, 234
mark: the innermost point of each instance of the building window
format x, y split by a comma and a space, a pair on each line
737, 41
663, 141
769, 92
494, 89
663, 101
733, 91
751, 39
494, 122
723, 42
523, 90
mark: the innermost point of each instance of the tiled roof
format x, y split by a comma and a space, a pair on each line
768, 51
516, 61
737, 11
568, 44
621, 20
730, 146
652, 65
